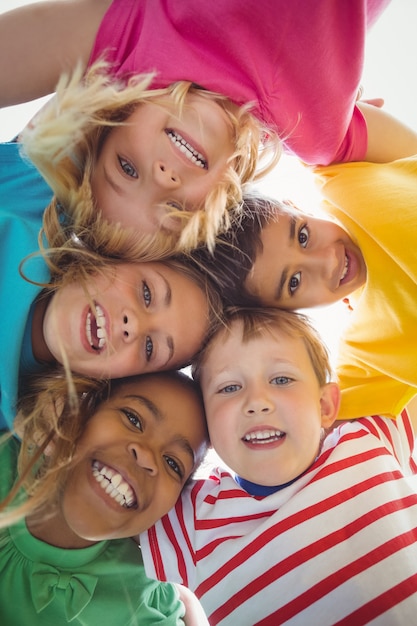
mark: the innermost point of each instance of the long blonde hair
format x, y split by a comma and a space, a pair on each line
64, 139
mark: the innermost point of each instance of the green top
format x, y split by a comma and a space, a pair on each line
102, 585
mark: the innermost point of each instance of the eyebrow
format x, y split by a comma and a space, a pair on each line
167, 302
284, 275
159, 417
149, 405
168, 292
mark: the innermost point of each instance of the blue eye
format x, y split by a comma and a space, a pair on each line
133, 418
230, 389
148, 348
294, 283
281, 380
173, 465
175, 205
303, 235
147, 296
127, 167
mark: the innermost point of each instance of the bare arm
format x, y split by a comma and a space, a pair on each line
194, 613
412, 411
388, 138
39, 41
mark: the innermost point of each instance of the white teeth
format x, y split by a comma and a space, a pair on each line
114, 485
101, 327
187, 149
264, 436
345, 270
116, 480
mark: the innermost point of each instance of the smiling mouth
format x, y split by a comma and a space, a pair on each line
95, 328
345, 269
114, 485
187, 149
263, 436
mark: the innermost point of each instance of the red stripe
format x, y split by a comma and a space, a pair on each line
408, 427
230, 494
308, 553
381, 604
292, 521
339, 577
219, 522
156, 554
179, 548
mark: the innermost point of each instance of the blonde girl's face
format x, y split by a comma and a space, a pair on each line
159, 158
133, 459
264, 405
133, 319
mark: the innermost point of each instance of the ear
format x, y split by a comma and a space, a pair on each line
329, 404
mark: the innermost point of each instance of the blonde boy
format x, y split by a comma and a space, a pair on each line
317, 525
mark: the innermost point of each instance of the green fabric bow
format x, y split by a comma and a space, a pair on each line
78, 588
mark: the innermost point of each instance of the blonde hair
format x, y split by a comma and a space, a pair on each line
51, 419
258, 321
64, 140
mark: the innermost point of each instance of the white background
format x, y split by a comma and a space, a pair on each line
389, 72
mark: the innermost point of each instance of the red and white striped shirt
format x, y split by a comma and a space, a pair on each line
338, 546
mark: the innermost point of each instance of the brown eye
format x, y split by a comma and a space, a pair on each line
303, 235
294, 283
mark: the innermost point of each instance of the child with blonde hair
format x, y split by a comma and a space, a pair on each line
88, 479
311, 522
270, 55
278, 74
173, 159
102, 316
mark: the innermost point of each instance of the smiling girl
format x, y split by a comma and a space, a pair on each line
106, 471
170, 160
267, 57
96, 316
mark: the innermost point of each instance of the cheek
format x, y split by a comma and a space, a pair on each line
220, 421
164, 499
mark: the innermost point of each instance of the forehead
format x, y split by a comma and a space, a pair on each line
160, 388
271, 339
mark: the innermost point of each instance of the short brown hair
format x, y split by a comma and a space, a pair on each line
257, 321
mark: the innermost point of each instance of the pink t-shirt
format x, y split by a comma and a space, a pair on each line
298, 62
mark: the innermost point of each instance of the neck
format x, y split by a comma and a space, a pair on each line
254, 489
53, 530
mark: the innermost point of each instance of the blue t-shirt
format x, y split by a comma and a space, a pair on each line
23, 197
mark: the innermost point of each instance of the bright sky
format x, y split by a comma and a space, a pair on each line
389, 73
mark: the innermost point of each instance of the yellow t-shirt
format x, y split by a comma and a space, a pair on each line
377, 360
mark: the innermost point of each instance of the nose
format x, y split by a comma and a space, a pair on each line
257, 403
130, 326
165, 176
324, 262
144, 458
